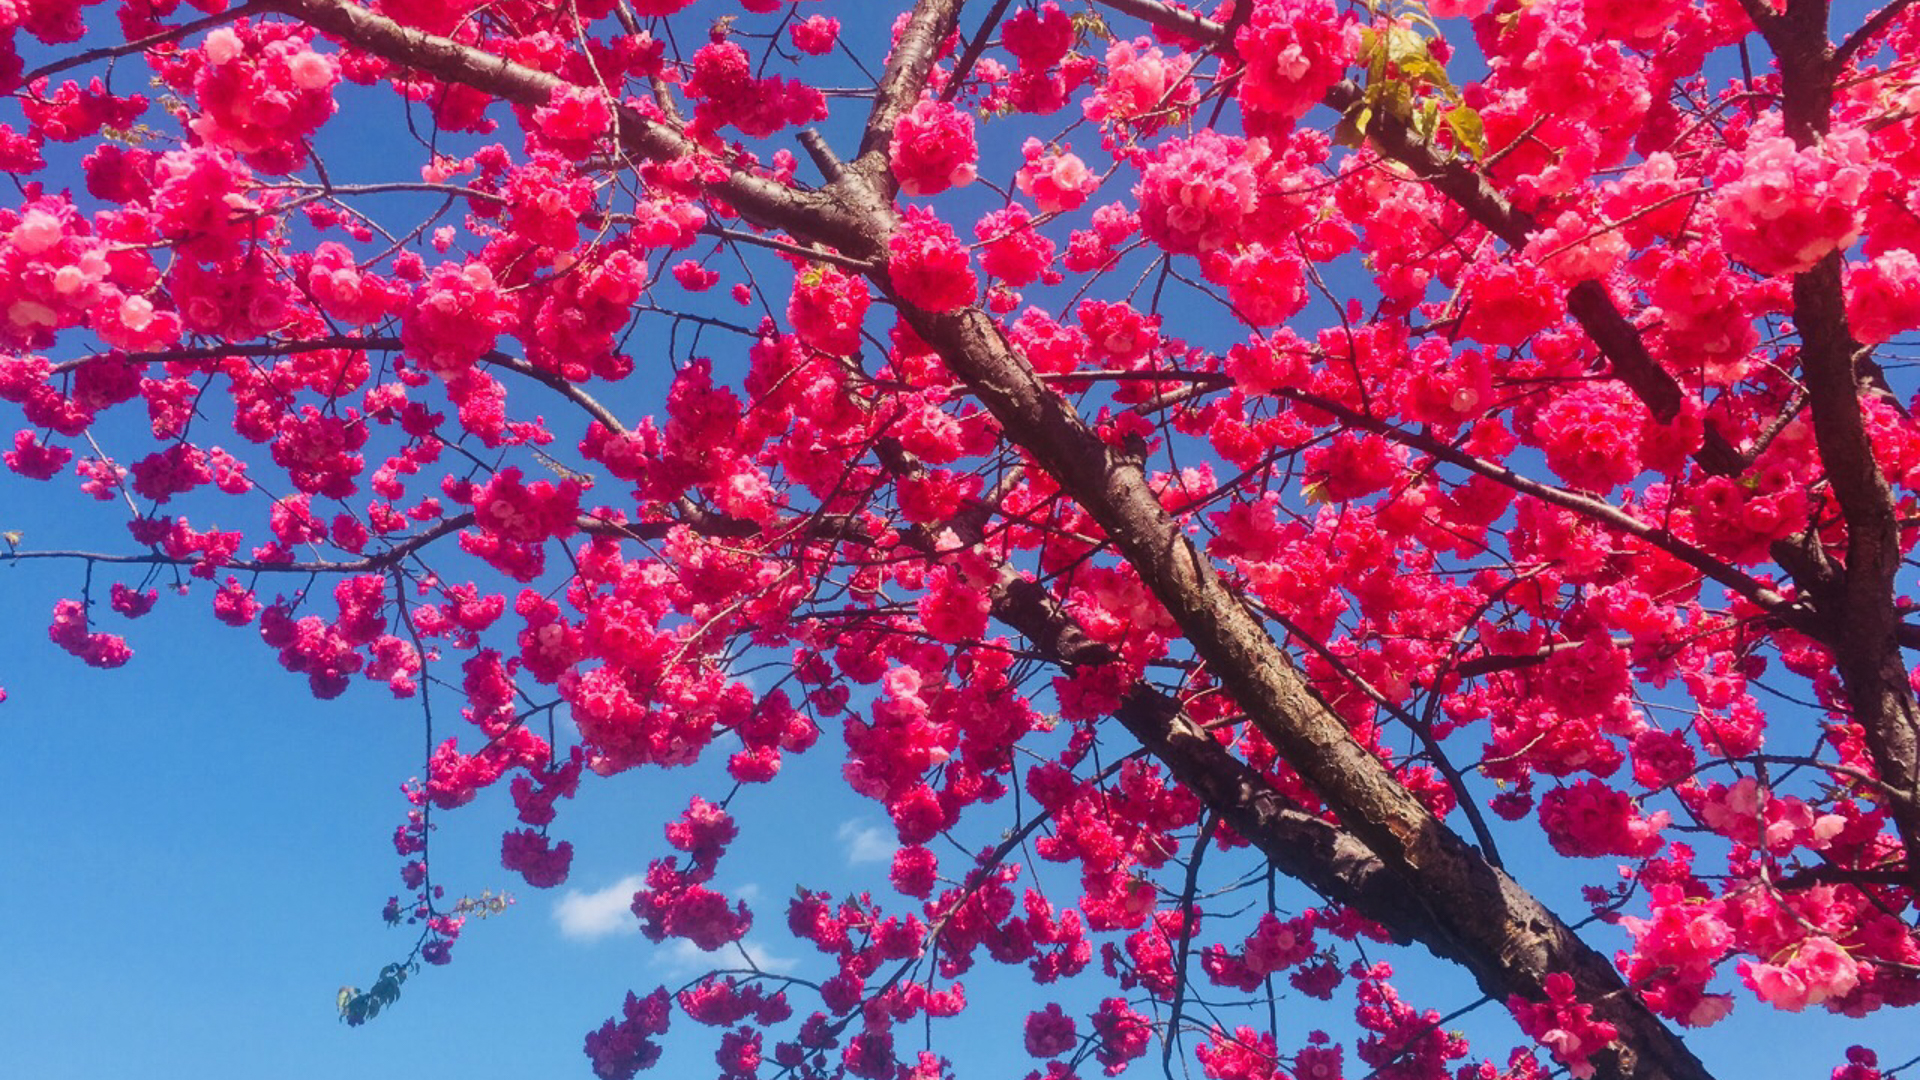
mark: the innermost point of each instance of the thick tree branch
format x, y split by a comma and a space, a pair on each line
1475, 913
905, 77
1867, 31
1863, 620
759, 199
1609, 329
1483, 918
140, 45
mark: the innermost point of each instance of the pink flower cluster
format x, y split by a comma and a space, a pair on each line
1050, 1032
1588, 818
827, 308
1784, 208
1144, 91
678, 903
1121, 1033
97, 648
928, 265
1013, 250
1883, 296
1293, 50
262, 90
1244, 1054
621, 1048
528, 853
815, 35
347, 292
1814, 972
728, 93
34, 459
1592, 435
455, 317
526, 513
57, 272
933, 148
1056, 180
1199, 194
1676, 950
1563, 1025
1039, 38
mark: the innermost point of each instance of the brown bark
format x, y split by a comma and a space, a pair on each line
1423, 878
1859, 612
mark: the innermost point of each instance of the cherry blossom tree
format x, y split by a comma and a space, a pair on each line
1214, 473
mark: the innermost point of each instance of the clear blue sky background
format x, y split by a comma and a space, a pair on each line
196, 853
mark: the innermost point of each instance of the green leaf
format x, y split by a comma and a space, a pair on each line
1396, 100
1418, 13
1427, 120
1089, 24
1352, 128
1467, 130
1405, 46
1426, 70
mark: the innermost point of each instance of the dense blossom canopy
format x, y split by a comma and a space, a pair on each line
1214, 474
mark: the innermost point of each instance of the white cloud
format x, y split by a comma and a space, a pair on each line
866, 843
590, 916
594, 915
679, 958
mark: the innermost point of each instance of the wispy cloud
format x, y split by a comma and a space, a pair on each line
865, 843
679, 958
590, 916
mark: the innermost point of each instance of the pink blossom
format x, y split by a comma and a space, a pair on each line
1039, 38
1050, 1032
1198, 194
1786, 208
933, 149
1057, 181
1883, 296
528, 853
1015, 252
929, 266
1144, 89
1293, 50
1592, 436
1816, 971
1588, 818
815, 35
826, 309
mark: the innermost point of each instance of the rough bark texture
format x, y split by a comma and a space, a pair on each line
1388, 856
1476, 915
1861, 620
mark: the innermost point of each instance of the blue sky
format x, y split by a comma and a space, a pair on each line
198, 852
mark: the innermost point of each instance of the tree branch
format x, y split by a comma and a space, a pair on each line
1866, 32
1610, 330
1478, 915
1865, 625
905, 77
1475, 914
128, 48
369, 564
